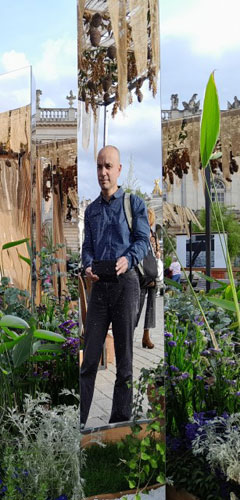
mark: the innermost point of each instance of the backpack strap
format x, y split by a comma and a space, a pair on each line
128, 213
128, 209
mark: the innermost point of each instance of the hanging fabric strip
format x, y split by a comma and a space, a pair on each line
155, 36
95, 132
20, 129
60, 285
79, 115
226, 144
81, 39
38, 228
118, 14
86, 126
138, 22
4, 117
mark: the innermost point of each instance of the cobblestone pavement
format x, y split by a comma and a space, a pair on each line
102, 399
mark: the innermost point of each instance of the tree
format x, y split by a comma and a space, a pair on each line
231, 226
131, 184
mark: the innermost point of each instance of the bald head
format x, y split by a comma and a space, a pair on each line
112, 149
108, 169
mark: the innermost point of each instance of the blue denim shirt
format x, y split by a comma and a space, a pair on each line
107, 235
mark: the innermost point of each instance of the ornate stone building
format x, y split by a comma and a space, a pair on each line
182, 179
56, 145
56, 124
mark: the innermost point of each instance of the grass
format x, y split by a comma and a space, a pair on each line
104, 472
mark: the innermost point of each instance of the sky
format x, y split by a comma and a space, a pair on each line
197, 37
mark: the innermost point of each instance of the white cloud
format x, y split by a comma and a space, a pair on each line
48, 103
13, 60
59, 59
212, 27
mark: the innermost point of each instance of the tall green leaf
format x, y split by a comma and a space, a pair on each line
6, 346
23, 350
14, 243
224, 304
210, 123
10, 333
26, 259
49, 348
47, 335
13, 322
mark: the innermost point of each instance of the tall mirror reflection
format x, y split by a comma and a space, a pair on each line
116, 108
55, 231
199, 328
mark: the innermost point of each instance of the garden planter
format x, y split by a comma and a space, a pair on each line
173, 494
112, 433
113, 496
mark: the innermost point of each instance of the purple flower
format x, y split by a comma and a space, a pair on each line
186, 342
230, 362
184, 375
172, 343
205, 352
198, 377
231, 382
237, 393
168, 335
214, 351
225, 335
174, 368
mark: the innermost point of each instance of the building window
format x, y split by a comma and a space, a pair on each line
219, 192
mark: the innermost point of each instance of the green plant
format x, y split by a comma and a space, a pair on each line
22, 345
41, 453
14, 301
218, 441
147, 455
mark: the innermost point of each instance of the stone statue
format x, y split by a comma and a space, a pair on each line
174, 101
70, 98
157, 189
38, 94
235, 104
193, 105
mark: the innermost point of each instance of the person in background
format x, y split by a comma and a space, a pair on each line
150, 291
175, 269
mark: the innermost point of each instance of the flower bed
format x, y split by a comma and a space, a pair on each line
202, 384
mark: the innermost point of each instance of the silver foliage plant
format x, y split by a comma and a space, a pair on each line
219, 441
47, 442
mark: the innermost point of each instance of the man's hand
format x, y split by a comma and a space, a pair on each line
89, 274
122, 265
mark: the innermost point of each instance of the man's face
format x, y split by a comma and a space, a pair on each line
108, 169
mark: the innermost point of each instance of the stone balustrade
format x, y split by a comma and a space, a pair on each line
166, 114
56, 115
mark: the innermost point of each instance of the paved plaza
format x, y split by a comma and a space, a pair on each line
102, 399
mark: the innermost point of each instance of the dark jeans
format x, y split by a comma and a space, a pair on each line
115, 303
150, 313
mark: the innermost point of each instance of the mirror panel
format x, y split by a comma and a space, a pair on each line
137, 134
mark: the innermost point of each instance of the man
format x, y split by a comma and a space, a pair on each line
107, 237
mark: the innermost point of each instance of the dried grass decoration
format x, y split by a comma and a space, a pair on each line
110, 48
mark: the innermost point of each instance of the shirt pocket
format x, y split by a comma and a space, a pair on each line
95, 220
